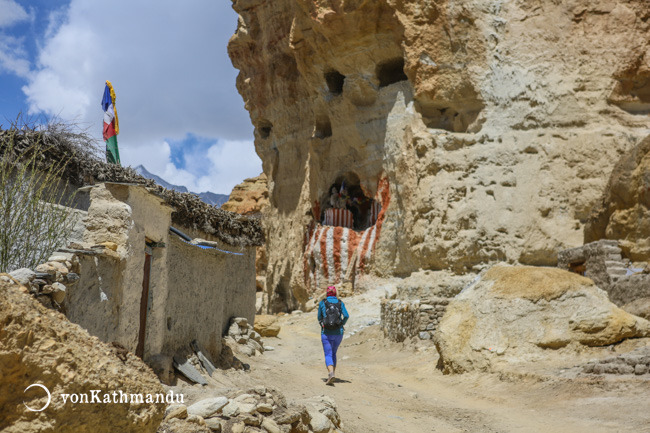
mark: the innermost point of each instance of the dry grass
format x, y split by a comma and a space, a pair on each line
84, 167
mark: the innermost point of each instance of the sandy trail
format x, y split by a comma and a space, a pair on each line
387, 387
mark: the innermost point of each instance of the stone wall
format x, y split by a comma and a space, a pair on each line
624, 210
636, 362
431, 313
400, 320
403, 319
602, 261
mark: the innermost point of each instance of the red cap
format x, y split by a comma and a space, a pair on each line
331, 291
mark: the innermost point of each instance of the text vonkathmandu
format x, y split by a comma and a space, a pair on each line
99, 396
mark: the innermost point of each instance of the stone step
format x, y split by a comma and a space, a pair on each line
610, 249
614, 257
614, 264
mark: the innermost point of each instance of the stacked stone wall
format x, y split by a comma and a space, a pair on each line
605, 265
636, 362
401, 320
431, 312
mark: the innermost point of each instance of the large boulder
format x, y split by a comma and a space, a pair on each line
522, 314
40, 346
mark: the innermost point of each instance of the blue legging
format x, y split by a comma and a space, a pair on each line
330, 346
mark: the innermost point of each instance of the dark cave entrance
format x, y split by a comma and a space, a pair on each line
346, 204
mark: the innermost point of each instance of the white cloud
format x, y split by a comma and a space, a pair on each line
172, 77
13, 57
231, 159
218, 169
11, 13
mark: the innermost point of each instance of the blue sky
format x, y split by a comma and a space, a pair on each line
180, 113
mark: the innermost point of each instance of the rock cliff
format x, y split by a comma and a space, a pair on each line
250, 197
484, 131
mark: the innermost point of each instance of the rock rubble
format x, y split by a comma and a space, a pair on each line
243, 338
259, 409
636, 362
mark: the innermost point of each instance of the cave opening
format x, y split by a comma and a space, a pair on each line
448, 118
264, 128
391, 71
345, 204
322, 126
334, 80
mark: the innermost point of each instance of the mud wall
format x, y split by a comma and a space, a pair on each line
193, 292
206, 289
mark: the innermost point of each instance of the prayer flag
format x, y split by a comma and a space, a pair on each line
111, 124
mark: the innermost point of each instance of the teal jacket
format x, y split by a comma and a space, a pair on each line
321, 316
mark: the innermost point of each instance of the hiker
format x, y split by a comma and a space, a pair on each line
332, 317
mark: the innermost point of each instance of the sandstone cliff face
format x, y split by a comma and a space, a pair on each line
250, 197
495, 125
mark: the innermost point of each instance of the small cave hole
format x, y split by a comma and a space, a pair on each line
264, 128
345, 204
322, 126
449, 119
391, 72
335, 80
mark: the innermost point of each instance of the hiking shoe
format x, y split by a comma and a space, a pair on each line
330, 379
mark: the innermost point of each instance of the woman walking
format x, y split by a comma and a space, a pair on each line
332, 317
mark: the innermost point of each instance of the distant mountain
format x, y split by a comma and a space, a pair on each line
213, 198
208, 197
159, 180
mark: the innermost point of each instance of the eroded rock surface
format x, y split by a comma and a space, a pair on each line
40, 346
522, 314
496, 125
624, 211
250, 197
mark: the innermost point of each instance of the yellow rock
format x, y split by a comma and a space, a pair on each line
267, 325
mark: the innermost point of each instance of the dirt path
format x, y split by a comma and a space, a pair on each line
386, 387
